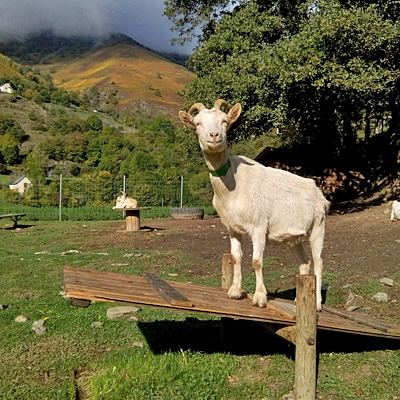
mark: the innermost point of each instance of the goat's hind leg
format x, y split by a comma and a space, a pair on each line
305, 264
260, 295
299, 252
235, 291
317, 244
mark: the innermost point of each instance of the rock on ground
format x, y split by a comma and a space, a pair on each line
354, 302
38, 327
121, 312
386, 281
21, 318
380, 297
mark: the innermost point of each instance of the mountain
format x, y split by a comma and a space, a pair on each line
46, 48
143, 80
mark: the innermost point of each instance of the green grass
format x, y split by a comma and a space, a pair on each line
84, 213
5, 180
162, 355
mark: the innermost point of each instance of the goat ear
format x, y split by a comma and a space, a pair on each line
234, 113
187, 120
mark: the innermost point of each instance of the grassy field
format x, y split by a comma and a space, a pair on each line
84, 213
161, 355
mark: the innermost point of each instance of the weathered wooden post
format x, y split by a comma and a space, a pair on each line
132, 219
306, 338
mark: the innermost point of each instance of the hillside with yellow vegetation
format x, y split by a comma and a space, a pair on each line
142, 78
8, 68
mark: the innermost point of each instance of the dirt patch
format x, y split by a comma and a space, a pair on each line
359, 246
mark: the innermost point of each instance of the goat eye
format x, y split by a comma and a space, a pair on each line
224, 121
198, 124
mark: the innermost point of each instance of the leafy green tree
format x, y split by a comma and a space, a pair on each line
64, 124
94, 148
103, 188
3, 167
53, 148
75, 147
200, 188
34, 166
61, 97
93, 123
9, 149
318, 71
74, 170
9, 125
112, 155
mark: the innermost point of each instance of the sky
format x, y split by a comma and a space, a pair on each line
142, 20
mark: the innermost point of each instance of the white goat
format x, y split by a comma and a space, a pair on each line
395, 210
124, 202
264, 202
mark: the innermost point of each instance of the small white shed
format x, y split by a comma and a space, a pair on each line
6, 88
20, 185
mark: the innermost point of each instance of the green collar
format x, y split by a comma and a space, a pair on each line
221, 171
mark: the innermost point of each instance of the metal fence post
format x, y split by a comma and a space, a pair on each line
181, 191
60, 200
124, 190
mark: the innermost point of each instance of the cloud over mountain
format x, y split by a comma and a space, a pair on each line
142, 20
20, 18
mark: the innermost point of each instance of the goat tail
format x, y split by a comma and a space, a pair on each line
323, 210
327, 206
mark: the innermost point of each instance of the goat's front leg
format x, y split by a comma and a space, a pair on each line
260, 295
235, 291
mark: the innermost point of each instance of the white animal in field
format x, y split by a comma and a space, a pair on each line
125, 202
265, 203
395, 210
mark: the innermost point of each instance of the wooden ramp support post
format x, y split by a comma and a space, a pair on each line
132, 220
306, 335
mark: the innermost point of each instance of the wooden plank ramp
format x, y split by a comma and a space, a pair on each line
115, 287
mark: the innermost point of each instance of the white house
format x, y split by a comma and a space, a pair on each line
6, 88
20, 185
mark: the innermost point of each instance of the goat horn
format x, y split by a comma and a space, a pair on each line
196, 107
221, 102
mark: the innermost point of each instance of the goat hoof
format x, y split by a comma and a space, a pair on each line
234, 293
260, 300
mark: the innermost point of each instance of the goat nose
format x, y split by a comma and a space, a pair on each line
214, 134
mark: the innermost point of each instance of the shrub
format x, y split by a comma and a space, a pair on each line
200, 188
74, 170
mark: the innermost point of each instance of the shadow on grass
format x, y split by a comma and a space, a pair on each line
19, 226
241, 337
338, 342
238, 337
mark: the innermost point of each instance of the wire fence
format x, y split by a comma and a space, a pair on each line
85, 199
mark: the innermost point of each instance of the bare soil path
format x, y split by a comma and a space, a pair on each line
362, 246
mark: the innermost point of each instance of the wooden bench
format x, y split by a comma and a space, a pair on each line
14, 217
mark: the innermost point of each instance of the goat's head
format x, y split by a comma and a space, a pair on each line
212, 124
121, 199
